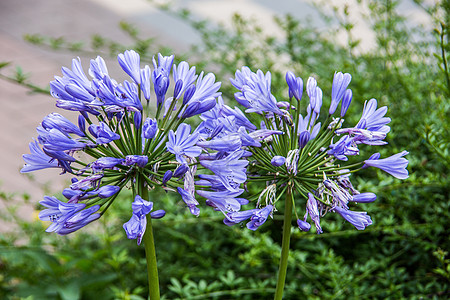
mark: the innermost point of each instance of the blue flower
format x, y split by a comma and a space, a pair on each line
303, 139
212, 181
57, 121
256, 93
66, 217
259, 217
313, 211
160, 76
130, 61
157, 214
98, 68
315, 97
74, 196
129, 98
241, 77
185, 75
373, 119
181, 170
102, 133
295, 85
149, 128
228, 143
225, 200
93, 180
145, 82
167, 176
107, 191
340, 195
190, 201
136, 226
57, 210
346, 102
303, 225
139, 160
140, 206
77, 76
163, 66
359, 219
37, 159
343, 147
363, 136
196, 107
55, 140
364, 198
231, 170
394, 165
182, 143
278, 160
160, 85
78, 91
340, 83
105, 163
79, 220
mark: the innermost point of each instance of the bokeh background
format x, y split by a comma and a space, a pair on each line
396, 52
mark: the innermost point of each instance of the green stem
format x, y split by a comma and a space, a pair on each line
285, 245
150, 253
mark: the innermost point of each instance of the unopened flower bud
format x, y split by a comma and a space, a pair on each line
157, 214
181, 170
137, 119
167, 177
107, 191
278, 160
304, 226
149, 128
303, 139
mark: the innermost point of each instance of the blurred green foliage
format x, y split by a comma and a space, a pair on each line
404, 254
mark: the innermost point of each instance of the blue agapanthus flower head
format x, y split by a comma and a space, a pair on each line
306, 160
126, 147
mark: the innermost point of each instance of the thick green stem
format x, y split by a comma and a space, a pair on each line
285, 245
150, 253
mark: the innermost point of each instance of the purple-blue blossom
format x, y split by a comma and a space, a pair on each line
364, 198
105, 163
395, 165
278, 160
303, 225
190, 201
107, 191
136, 226
373, 119
55, 140
295, 85
182, 143
103, 133
231, 169
57, 121
66, 217
340, 84
139, 160
185, 75
149, 128
313, 211
37, 159
359, 219
130, 61
259, 217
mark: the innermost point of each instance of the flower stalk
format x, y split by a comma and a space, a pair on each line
285, 244
150, 253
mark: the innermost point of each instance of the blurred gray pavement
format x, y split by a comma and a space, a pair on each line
21, 113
